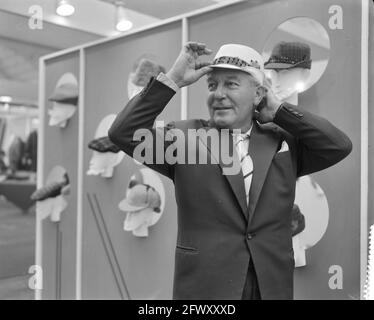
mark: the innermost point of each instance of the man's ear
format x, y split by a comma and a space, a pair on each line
260, 93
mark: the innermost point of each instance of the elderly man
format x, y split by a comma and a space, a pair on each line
234, 236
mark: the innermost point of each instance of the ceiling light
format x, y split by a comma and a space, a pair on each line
124, 25
122, 21
64, 8
5, 99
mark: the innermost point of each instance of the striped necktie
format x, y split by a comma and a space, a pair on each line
245, 161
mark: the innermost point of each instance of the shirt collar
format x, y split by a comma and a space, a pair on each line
248, 133
245, 135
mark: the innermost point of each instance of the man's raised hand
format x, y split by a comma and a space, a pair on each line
267, 110
187, 69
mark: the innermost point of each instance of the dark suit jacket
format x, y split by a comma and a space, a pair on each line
217, 233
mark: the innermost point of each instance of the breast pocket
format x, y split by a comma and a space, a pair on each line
185, 249
283, 160
283, 155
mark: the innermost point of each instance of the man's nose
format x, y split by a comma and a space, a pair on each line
220, 92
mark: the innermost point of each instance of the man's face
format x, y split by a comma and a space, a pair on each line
232, 95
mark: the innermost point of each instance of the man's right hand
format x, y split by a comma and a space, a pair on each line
187, 69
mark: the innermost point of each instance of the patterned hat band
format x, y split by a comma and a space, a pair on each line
237, 62
306, 63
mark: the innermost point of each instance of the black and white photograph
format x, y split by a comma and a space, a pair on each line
186, 154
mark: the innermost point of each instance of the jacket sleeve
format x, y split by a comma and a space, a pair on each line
319, 143
137, 118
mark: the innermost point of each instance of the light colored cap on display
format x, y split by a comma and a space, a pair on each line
240, 57
139, 197
66, 92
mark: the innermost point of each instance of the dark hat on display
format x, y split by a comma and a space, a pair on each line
287, 55
103, 144
298, 220
65, 93
51, 190
141, 196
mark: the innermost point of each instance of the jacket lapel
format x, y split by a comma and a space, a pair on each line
262, 148
236, 180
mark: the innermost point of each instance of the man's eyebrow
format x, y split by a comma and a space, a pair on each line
233, 77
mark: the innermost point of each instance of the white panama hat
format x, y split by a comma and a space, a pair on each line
240, 57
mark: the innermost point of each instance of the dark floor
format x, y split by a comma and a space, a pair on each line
17, 249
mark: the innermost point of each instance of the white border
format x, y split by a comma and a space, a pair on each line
78, 274
364, 142
40, 172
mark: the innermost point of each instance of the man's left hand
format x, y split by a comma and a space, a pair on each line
269, 105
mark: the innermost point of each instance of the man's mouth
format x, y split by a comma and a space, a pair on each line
221, 108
